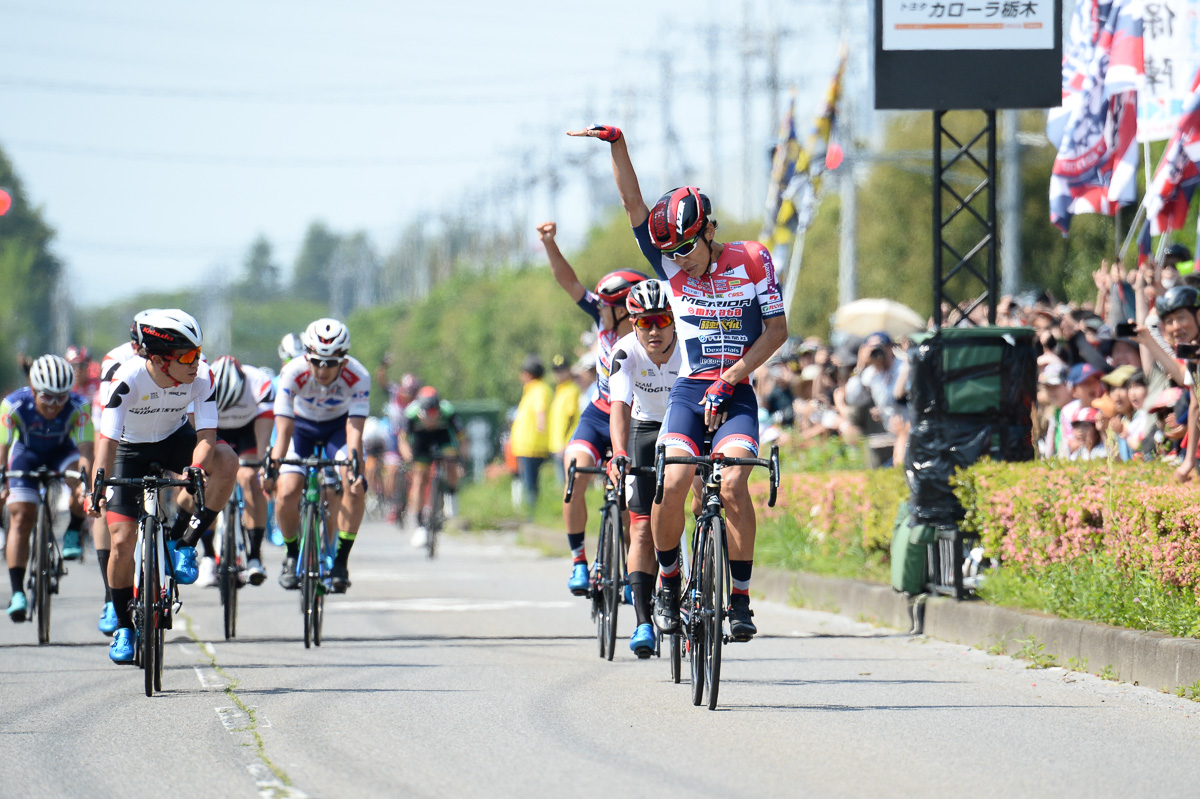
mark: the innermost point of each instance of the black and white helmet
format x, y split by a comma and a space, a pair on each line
290, 347
648, 297
164, 330
51, 374
138, 317
229, 381
326, 338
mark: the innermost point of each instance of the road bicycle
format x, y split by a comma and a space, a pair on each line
609, 575
704, 605
435, 498
156, 595
317, 543
45, 557
234, 544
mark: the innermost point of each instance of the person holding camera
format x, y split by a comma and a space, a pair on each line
873, 384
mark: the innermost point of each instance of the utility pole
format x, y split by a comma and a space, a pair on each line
1010, 194
664, 104
714, 117
747, 133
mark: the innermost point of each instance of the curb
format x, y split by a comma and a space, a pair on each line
1151, 659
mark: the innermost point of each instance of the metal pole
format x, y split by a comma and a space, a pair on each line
847, 265
1010, 220
937, 219
991, 215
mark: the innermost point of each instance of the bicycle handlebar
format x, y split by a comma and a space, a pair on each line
271, 465
193, 482
626, 470
661, 461
42, 473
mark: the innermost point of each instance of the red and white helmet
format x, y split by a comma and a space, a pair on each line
678, 217
326, 338
614, 287
76, 355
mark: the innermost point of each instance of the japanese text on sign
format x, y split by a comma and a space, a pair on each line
968, 25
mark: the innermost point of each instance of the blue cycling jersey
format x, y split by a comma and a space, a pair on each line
20, 421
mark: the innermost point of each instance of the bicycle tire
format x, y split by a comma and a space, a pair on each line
308, 579
227, 573
715, 600
149, 592
318, 602
675, 645
612, 578
694, 628
434, 525
43, 550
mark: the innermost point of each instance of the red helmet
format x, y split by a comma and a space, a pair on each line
614, 287
76, 355
678, 216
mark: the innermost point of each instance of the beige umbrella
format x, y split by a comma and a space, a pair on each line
864, 317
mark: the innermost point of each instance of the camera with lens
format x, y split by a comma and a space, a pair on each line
1189, 352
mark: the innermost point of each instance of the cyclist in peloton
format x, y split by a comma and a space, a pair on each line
589, 443
433, 430
730, 318
645, 365
100, 538
245, 419
145, 421
321, 404
42, 424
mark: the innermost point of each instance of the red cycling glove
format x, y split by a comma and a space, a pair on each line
717, 393
608, 133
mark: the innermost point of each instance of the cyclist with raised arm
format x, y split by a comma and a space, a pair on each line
245, 418
730, 319
589, 443
42, 424
145, 422
645, 365
432, 431
322, 402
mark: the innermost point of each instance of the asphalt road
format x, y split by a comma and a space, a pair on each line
477, 675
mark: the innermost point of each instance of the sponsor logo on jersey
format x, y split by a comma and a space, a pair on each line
349, 377
725, 324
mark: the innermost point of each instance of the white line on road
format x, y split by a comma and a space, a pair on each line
271, 787
440, 605
209, 679
237, 720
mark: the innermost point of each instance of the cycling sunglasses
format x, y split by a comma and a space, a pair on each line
53, 399
186, 358
657, 321
683, 249
324, 363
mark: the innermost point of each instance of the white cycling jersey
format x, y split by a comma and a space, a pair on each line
636, 381
139, 411
108, 367
257, 400
299, 396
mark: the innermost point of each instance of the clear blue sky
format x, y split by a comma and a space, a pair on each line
160, 139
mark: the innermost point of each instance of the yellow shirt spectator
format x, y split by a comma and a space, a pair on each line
530, 434
564, 410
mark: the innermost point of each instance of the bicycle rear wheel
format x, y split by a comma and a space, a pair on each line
227, 572
676, 644
612, 577
714, 611
44, 569
148, 603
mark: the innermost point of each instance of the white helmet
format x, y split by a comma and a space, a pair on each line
229, 381
326, 338
290, 347
162, 331
51, 374
137, 318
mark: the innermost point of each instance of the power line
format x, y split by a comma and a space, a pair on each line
269, 162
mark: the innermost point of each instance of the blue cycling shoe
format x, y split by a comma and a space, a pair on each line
72, 548
642, 642
18, 607
578, 584
184, 566
108, 619
123, 645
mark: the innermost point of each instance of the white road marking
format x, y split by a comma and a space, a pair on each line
440, 605
271, 787
209, 679
398, 577
237, 720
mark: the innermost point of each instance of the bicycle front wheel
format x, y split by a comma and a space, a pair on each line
44, 570
714, 611
310, 555
436, 498
227, 573
612, 576
148, 603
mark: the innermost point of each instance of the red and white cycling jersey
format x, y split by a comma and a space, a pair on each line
257, 400
606, 339
139, 411
720, 315
299, 396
